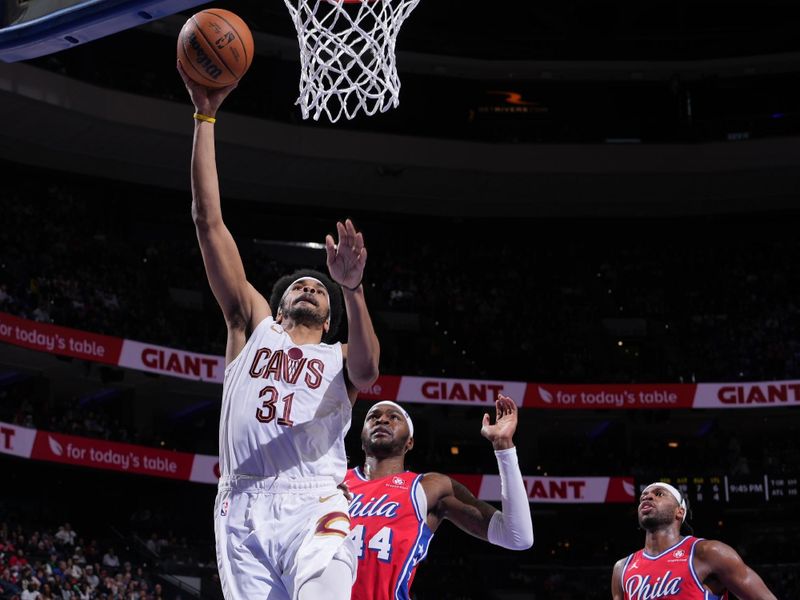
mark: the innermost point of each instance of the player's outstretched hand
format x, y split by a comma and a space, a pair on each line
502, 432
346, 259
206, 100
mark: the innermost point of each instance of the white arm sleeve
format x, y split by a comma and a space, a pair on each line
512, 527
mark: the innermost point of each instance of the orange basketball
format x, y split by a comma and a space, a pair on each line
215, 47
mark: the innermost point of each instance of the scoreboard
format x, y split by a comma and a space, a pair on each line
739, 490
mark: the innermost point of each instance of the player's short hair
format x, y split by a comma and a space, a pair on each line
335, 299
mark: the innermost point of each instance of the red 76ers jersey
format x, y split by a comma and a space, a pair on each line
668, 575
391, 535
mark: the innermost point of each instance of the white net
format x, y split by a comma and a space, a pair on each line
347, 55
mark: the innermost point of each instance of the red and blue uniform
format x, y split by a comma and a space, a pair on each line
669, 575
391, 535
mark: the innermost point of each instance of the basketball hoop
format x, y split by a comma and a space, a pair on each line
347, 55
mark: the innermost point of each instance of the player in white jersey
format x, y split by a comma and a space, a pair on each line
280, 522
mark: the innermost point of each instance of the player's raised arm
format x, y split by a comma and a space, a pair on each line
724, 564
346, 261
242, 306
511, 527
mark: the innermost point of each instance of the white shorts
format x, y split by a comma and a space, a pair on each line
273, 535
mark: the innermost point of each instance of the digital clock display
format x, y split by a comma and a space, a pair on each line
734, 489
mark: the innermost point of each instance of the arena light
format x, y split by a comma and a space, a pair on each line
302, 245
738, 136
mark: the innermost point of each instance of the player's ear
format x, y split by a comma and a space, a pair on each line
679, 514
409, 444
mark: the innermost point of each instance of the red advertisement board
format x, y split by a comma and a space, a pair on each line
185, 364
113, 456
64, 341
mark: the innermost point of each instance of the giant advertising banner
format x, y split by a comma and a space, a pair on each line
172, 362
142, 460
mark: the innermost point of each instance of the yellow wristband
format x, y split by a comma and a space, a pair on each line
206, 118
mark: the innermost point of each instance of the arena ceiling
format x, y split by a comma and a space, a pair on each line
579, 29
420, 175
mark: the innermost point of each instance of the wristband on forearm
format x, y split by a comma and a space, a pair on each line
352, 289
511, 527
204, 118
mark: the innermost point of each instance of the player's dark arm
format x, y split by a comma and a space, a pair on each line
724, 564
346, 261
242, 306
462, 508
475, 516
617, 592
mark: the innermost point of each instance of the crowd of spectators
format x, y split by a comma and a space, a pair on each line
570, 302
602, 301
37, 564
547, 301
65, 261
573, 556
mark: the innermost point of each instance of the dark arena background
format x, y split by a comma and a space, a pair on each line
591, 206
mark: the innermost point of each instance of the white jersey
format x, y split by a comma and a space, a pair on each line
285, 409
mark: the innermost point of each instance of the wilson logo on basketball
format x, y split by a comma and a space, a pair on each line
215, 48
202, 60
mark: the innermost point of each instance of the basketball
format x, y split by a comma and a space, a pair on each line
215, 48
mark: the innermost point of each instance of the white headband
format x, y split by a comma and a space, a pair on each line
402, 411
672, 490
291, 285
